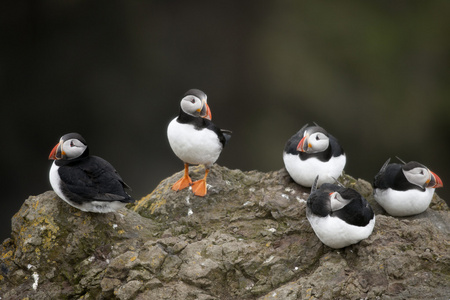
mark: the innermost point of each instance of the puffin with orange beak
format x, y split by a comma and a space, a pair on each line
313, 152
86, 182
195, 139
405, 189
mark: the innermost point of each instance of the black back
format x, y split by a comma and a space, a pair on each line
334, 149
91, 178
202, 123
357, 212
391, 176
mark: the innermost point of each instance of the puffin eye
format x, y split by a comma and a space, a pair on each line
193, 100
317, 138
71, 143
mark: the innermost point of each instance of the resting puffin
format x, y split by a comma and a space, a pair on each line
405, 190
339, 216
88, 183
195, 139
313, 152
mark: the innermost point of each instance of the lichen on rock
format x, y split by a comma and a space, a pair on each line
247, 239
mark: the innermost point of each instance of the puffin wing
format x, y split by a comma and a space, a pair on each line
224, 135
336, 148
94, 179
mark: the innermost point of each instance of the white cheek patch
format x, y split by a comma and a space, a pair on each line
73, 148
337, 202
318, 145
417, 176
189, 107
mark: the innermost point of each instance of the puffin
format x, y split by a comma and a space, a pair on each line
89, 183
195, 139
338, 215
313, 152
405, 189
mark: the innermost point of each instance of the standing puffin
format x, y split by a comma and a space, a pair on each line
88, 183
195, 139
313, 152
405, 189
339, 216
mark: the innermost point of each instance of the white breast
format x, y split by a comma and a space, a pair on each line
336, 233
55, 181
193, 146
404, 203
304, 172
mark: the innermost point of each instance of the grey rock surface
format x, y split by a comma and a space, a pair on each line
247, 239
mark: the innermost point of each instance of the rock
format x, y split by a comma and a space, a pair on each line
247, 239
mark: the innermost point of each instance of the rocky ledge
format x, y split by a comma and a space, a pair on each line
247, 239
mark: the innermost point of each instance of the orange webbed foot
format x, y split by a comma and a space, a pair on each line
199, 188
184, 181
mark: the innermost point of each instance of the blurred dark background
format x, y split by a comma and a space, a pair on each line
375, 74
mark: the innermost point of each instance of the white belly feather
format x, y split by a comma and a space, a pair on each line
193, 146
336, 233
404, 203
304, 172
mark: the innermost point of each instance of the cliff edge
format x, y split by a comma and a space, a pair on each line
247, 239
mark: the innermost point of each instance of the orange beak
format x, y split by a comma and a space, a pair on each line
53, 154
301, 146
206, 112
435, 181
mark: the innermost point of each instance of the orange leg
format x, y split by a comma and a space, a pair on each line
199, 186
184, 181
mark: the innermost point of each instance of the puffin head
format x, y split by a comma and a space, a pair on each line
70, 146
194, 103
328, 198
420, 175
315, 139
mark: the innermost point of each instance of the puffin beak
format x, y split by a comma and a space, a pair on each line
56, 151
434, 181
205, 111
53, 154
303, 145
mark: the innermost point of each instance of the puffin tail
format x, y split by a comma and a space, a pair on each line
314, 186
383, 168
402, 161
227, 134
